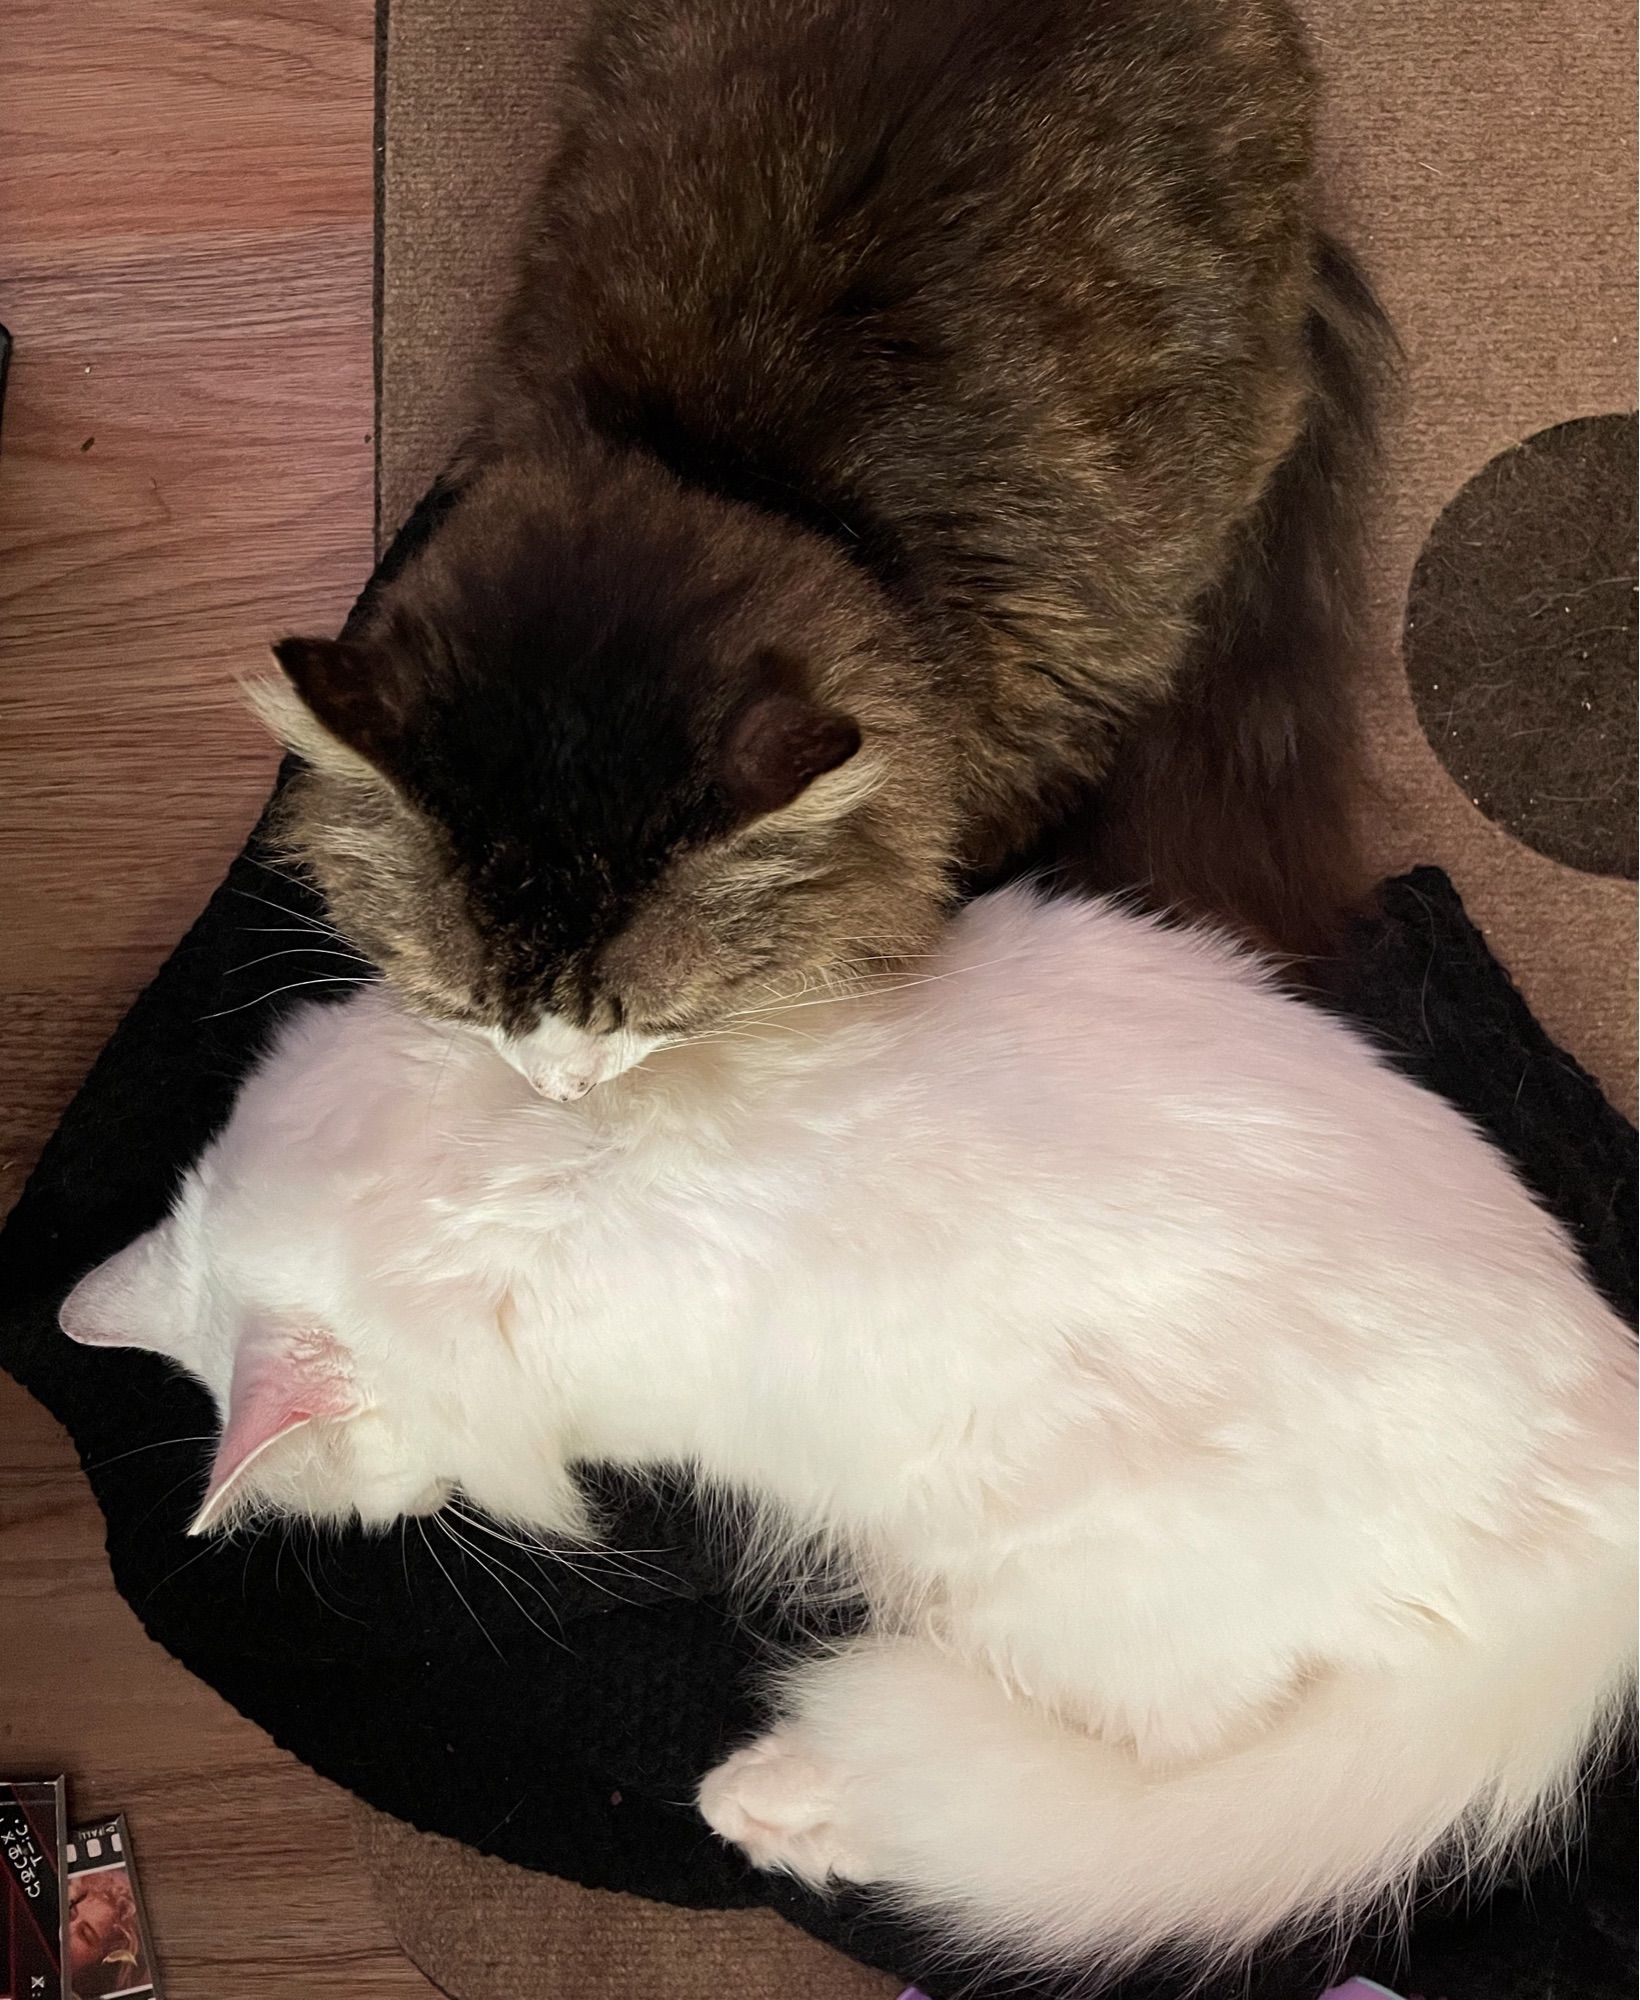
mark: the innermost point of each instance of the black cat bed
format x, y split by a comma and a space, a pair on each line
561, 1716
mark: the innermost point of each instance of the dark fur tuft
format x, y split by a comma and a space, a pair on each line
1239, 798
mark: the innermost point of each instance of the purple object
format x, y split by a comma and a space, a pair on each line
1352, 1989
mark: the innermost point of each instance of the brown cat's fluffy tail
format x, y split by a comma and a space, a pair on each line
1239, 800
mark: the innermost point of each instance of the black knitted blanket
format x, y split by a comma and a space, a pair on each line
561, 1717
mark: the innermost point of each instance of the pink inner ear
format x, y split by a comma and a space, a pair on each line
779, 745
279, 1385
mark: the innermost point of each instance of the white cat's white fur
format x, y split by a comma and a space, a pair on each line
1241, 1469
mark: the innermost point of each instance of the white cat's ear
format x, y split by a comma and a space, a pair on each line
132, 1300
282, 1381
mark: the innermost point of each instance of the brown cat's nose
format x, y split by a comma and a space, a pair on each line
559, 1080
561, 1085
562, 1063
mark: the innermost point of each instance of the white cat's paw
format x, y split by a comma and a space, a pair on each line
783, 1807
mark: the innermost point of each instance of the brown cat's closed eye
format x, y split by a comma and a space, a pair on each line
913, 420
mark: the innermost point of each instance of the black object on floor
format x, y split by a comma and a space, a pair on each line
426, 1683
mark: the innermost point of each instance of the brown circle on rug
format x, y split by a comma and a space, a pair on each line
1520, 641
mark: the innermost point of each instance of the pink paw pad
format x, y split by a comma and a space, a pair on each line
779, 1804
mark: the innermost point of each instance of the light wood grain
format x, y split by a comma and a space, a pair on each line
185, 469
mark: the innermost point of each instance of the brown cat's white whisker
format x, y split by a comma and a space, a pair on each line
298, 951
296, 986
302, 919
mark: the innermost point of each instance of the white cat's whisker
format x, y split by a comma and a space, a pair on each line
158, 1444
307, 1570
212, 1545
493, 1567
427, 1543
176, 1486
571, 1556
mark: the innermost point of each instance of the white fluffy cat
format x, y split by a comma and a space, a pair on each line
1241, 1470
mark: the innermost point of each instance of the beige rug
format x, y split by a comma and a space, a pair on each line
1480, 155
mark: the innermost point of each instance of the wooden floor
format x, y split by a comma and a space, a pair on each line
185, 470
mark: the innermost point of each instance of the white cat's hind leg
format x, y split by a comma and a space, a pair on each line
826, 1794
783, 1805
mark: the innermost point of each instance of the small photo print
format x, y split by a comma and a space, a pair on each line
108, 1951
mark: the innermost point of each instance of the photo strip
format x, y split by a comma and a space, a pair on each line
110, 1956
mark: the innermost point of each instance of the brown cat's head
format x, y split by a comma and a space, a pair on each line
610, 763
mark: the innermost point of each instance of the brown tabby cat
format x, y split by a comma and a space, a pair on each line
911, 413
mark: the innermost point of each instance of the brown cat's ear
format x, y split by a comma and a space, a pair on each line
357, 693
778, 745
